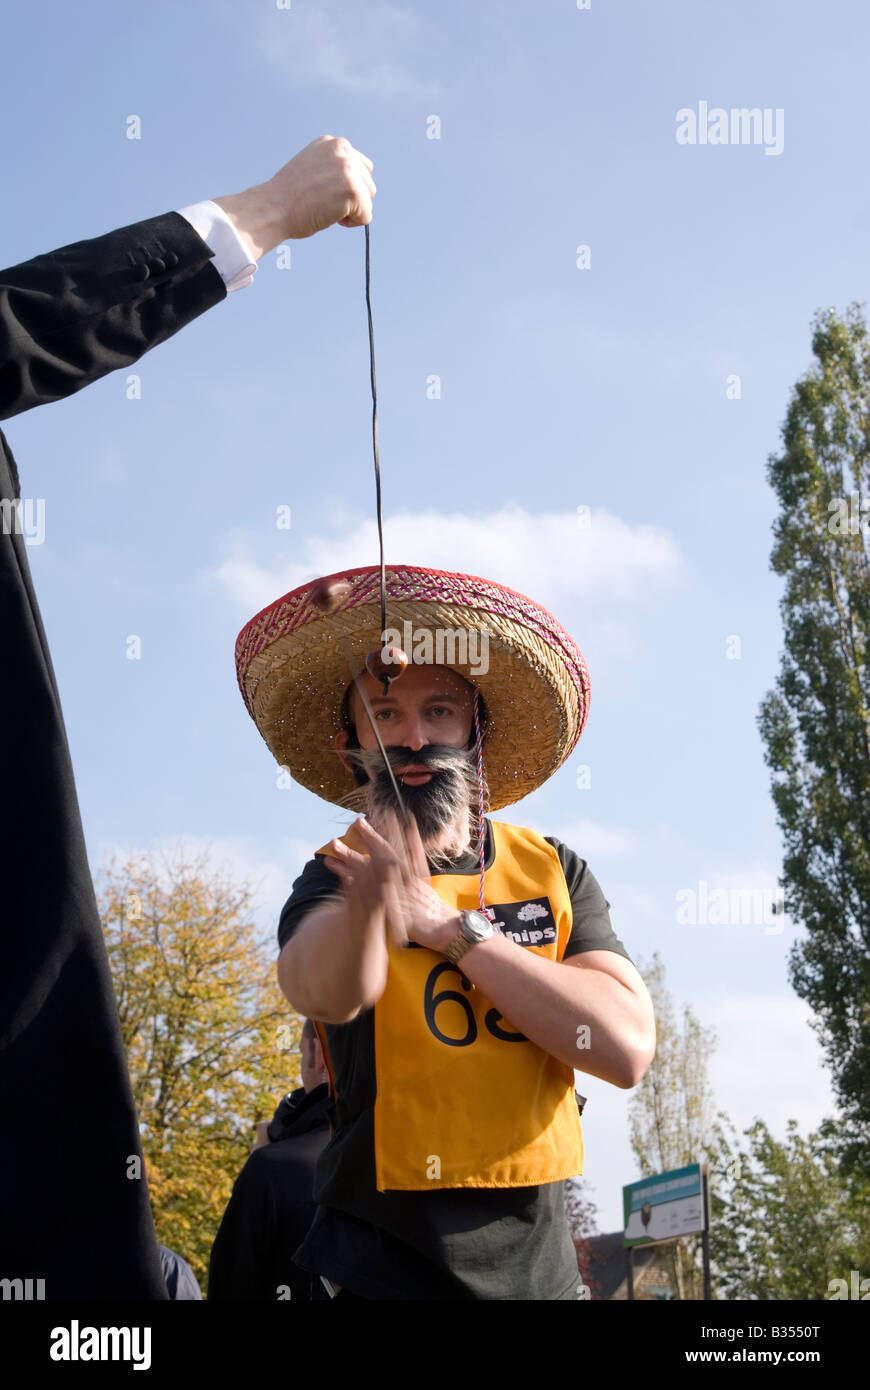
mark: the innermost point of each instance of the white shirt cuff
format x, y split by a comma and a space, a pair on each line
232, 259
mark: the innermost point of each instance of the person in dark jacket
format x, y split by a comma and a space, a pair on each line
272, 1208
181, 1284
67, 318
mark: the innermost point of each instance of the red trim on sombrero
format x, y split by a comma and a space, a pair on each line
266, 627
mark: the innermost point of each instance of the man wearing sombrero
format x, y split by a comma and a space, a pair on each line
456, 979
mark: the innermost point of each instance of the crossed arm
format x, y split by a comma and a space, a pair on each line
592, 1011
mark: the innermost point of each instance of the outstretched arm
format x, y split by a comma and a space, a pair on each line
70, 316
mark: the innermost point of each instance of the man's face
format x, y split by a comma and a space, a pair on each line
312, 1065
425, 719
426, 704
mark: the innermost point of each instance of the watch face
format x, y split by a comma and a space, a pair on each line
477, 924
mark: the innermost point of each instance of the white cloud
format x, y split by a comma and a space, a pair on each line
367, 49
611, 564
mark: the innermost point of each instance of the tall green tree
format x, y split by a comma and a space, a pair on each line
209, 1039
673, 1121
815, 724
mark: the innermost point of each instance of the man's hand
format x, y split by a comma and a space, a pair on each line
397, 876
326, 183
336, 964
427, 919
370, 883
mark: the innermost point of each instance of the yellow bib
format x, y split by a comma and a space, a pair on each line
464, 1099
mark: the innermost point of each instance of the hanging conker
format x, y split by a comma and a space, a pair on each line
386, 663
327, 594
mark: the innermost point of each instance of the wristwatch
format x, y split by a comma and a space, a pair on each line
474, 929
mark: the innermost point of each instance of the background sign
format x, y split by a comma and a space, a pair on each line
664, 1207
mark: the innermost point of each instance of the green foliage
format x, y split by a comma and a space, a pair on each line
207, 1034
786, 1217
815, 724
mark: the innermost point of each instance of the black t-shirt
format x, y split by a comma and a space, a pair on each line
487, 1243
271, 1208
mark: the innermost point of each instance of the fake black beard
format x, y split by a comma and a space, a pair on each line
435, 804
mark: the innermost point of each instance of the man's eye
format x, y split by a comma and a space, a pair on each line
384, 713
440, 709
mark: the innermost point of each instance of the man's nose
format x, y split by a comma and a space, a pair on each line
415, 732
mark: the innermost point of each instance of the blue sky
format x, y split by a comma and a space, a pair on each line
561, 388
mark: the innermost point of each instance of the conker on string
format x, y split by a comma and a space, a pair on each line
327, 594
386, 663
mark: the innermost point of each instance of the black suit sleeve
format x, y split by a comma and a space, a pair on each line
70, 316
66, 319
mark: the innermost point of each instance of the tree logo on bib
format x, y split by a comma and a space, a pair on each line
529, 923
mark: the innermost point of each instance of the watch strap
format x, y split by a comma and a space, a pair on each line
463, 942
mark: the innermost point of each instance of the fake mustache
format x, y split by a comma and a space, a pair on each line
436, 756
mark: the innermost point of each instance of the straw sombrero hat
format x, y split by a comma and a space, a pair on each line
294, 664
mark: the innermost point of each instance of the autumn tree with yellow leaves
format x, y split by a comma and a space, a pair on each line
210, 1040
